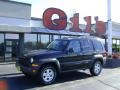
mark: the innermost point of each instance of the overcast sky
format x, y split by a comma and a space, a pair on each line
83, 7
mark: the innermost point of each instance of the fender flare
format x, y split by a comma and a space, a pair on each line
53, 61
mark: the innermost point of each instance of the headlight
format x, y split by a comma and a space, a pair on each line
31, 60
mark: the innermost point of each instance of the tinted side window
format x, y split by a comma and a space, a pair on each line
75, 45
86, 45
97, 45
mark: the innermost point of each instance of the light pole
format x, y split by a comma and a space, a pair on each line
109, 29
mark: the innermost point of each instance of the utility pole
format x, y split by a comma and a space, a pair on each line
109, 29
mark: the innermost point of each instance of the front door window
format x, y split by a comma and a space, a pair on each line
75, 45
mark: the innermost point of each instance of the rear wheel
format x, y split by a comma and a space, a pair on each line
96, 68
47, 75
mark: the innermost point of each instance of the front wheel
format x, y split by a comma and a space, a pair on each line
47, 75
96, 68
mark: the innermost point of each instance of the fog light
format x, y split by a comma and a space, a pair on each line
33, 71
35, 65
31, 60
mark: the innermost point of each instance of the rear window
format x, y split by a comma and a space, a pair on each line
98, 45
86, 45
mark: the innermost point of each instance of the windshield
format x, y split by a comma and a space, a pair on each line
58, 45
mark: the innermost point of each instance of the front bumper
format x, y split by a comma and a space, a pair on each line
32, 70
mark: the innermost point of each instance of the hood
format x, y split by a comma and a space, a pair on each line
42, 53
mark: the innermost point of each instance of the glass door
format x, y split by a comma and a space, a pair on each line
11, 49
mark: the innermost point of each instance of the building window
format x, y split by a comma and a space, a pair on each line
43, 40
56, 37
2, 50
30, 42
115, 45
64, 36
114, 41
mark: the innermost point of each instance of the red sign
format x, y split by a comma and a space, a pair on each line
88, 24
56, 24
61, 23
75, 22
100, 27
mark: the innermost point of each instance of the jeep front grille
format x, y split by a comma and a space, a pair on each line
24, 61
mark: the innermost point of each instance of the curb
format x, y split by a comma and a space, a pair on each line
7, 63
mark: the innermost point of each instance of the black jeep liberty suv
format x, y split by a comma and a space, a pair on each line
63, 55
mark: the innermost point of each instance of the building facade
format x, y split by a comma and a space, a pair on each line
20, 33
14, 21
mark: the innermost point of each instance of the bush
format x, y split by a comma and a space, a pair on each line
116, 56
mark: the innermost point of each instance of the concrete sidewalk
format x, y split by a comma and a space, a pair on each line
8, 68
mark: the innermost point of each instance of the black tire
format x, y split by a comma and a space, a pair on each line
96, 69
47, 74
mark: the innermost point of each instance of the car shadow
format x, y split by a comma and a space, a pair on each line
20, 82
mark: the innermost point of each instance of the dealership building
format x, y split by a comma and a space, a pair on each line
19, 32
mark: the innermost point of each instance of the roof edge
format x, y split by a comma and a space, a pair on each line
36, 18
16, 2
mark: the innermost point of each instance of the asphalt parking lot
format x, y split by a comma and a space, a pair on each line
81, 80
